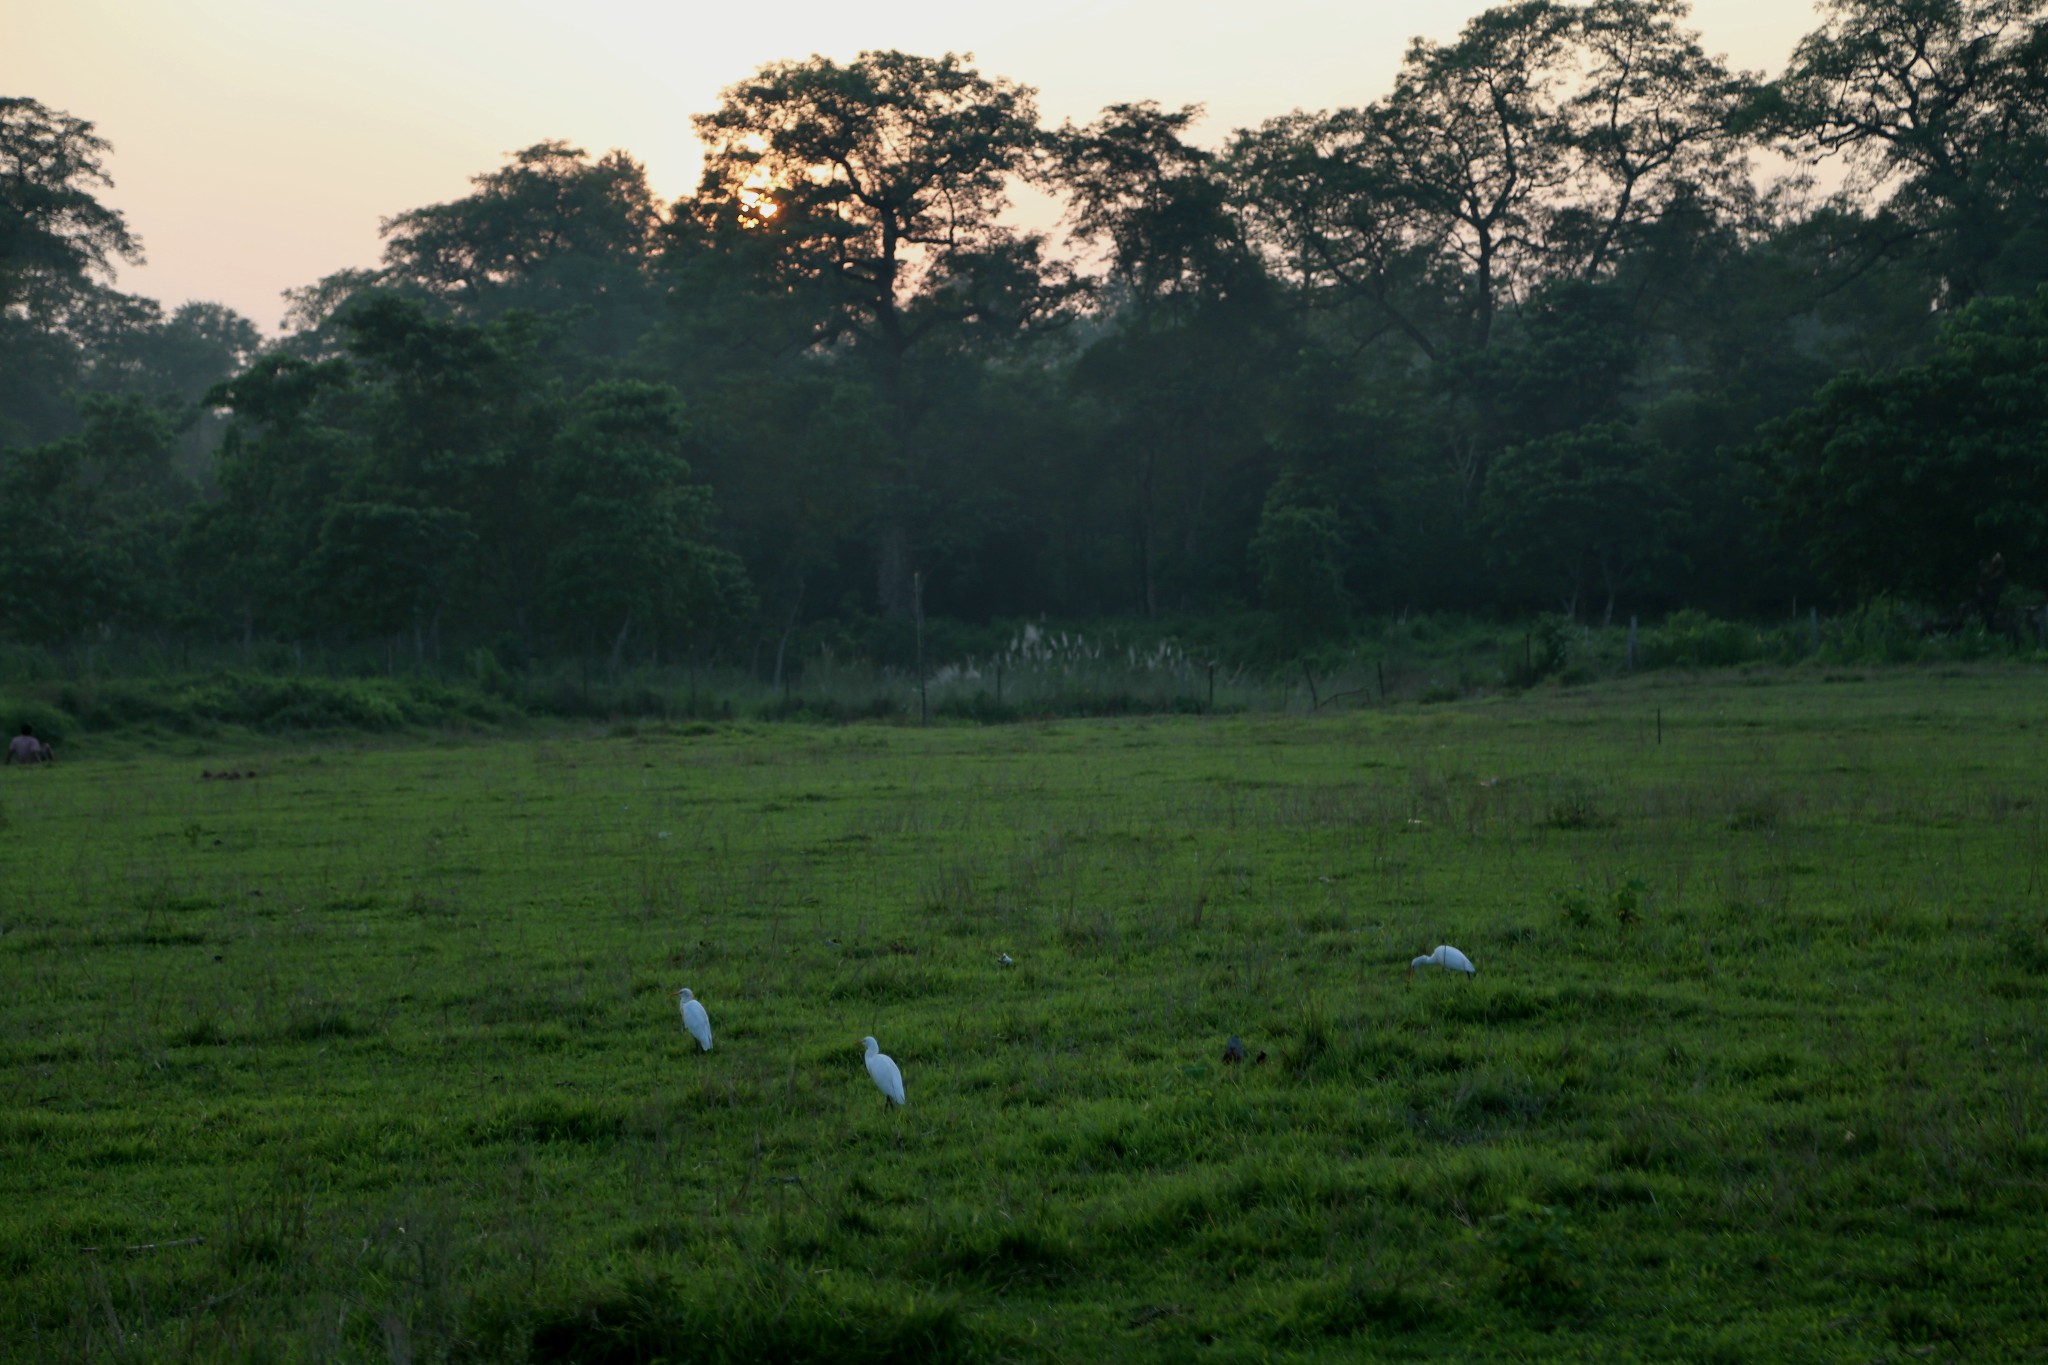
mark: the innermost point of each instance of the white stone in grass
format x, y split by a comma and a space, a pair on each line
888, 1076
1446, 957
695, 1019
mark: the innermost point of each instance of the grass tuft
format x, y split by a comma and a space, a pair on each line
654, 1317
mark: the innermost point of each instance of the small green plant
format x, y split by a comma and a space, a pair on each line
1538, 1256
1575, 805
1545, 651
1312, 1044
2026, 942
1757, 814
1575, 907
1626, 901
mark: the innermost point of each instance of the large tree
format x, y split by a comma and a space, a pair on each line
1157, 203
873, 192
551, 230
1192, 323
58, 246
886, 179
1939, 108
1578, 511
95, 517
51, 221
628, 529
446, 479
1909, 481
287, 452
1538, 146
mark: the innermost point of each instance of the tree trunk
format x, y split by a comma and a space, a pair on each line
1146, 537
892, 578
619, 646
788, 627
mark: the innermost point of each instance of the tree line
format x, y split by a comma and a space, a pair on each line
1531, 332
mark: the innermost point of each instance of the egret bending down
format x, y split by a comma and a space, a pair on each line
1446, 957
695, 1019
888, 1076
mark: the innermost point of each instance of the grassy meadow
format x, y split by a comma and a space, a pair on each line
370, 1052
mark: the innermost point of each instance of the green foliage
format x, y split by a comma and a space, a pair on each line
1626, 901
97, 515
549, 231
51, 222
1541, 1263
1692, 639
1909, 482
1576, 804
873, 160
1581, 511
1299, 552
51, 723
1479, 346
1157, 202
260, 702
1936, 104
1546, 649
628, 527
2026, 941
437, 471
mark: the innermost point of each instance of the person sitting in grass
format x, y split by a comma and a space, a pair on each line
26, 748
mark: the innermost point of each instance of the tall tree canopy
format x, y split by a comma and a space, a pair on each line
1940, 109
52, 223
1494, 340
1537, 146
1909, 481
872, 192
884, 179
551, 230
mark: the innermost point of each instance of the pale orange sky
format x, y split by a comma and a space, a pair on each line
258, 143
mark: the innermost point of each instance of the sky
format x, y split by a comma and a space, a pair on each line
258, 144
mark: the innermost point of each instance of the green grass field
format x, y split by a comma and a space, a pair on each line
372, 1055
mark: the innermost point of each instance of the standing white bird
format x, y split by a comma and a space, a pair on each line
695, 1019
888, 1076
1446, 957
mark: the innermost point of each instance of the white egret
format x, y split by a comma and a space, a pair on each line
1446, 957
695, 1019
888, 1076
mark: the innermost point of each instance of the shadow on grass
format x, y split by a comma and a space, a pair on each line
649, 1318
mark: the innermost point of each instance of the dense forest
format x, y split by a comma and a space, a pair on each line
1573, 320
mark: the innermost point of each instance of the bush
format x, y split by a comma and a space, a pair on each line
52, 724
257, 701
1692, 639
